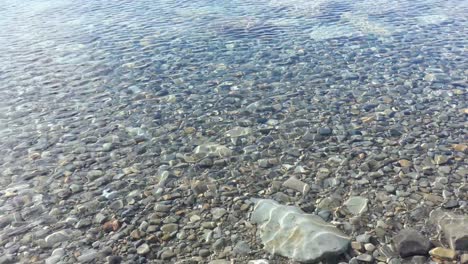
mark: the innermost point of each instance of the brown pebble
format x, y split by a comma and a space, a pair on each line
356, 245
405, 163
459, 147
111, 225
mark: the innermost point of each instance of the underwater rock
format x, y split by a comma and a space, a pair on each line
289, 232
212, 150
454, 228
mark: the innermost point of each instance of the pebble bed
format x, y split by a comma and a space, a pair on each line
146, 131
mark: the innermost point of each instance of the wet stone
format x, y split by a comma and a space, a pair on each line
167, 254
410, 242
258, 261
143, 249
88, 256
204, 253
453, 226
114, 259
356, 205
365, 258
276, 223
298, 185
443, 253
57, 237
94, 174
241, 248
464, 258
169, 228
7, 259
325, 131
218, 213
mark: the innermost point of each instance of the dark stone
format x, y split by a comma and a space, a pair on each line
205, 163
262, 120
410, 242
369, 107
114, 259
394, 132
325, 131
417, 260
450, 204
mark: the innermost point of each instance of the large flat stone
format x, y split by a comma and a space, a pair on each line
454, 228
289, 232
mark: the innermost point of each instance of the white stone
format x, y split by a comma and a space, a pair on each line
238, 132
212, 150
258, 261
289, 232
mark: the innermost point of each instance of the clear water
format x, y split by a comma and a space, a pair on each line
75, 75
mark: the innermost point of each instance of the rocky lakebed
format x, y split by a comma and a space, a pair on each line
273, 133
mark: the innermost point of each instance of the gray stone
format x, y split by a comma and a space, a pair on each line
199, 187
6, 219
369, 247
169, 228
58, 252
241, 248
389, 188
167, 254
325, 131
53, 259
116, 205
365, 258
356, 205
218, 244
204, 253
74, 188
409, 242
100, 218
218, 213
296, 184
57, 237
114, 259
89, 256
211, 150
454, 228
94, 174
363, 238
238, 132
7, 259
220, 261
162, 207
143, 249
418, 260
83, 223
289, 232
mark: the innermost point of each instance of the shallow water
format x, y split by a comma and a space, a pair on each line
124, 86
